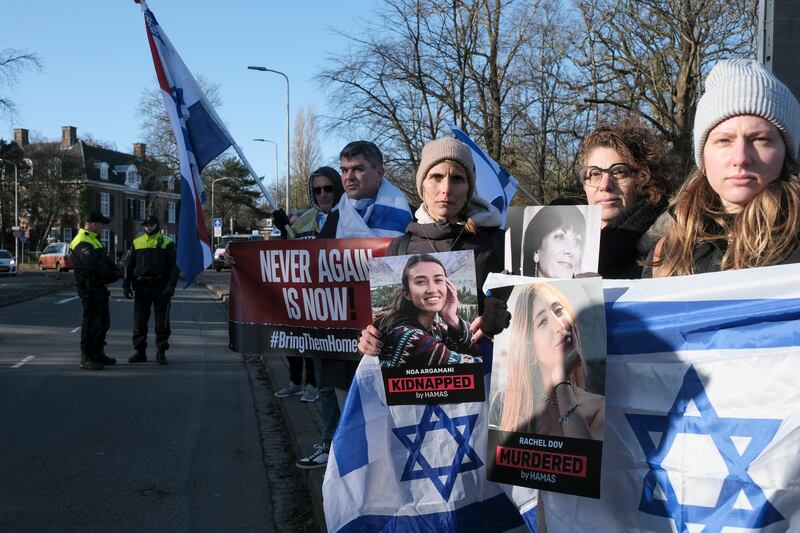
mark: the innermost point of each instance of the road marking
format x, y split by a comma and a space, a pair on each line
65, 300
75, 330
23, 361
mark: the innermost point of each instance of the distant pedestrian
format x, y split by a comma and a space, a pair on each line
94, 269
151, 273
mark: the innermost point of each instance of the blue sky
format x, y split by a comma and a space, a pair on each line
97, 63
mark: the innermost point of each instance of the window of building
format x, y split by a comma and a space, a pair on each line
104, 171
68, 235
105, 204
170, 212
142, 206
132, 178
105, 238
130, 211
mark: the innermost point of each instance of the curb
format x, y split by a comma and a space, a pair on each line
219, 294
304, 422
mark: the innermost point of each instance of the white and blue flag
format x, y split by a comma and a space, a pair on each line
415, 467
702, 405
493, 183
201, 136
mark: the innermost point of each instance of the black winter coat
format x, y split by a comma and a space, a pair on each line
626, 240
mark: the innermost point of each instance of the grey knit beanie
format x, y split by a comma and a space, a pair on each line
745, 87
443, 149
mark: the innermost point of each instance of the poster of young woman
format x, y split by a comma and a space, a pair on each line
423, 305
553, 241
548, 383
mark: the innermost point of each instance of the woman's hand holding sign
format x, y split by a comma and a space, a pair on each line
370, 341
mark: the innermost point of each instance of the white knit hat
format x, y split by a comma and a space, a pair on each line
446, 148
745, 87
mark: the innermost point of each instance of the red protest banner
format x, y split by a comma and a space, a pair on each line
302, 297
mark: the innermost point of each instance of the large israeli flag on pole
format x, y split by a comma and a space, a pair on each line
415, 467
200, 135
703, 407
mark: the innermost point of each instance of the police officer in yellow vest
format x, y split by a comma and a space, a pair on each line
151, 273
93, 271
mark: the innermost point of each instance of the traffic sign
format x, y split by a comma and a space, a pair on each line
23, 239
217, 227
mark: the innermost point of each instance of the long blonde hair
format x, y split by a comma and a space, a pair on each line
524, 384
763, 233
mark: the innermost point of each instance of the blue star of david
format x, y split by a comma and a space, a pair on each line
760, 432
180, 103
415, 456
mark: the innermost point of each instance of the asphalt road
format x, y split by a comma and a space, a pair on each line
132, 447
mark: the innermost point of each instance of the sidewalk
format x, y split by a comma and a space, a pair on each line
303, 420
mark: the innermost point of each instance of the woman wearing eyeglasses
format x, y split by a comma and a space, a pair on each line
324, 189
624, 171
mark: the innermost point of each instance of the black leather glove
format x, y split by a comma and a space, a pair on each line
496, 317
168, 291
127, 291
281, 221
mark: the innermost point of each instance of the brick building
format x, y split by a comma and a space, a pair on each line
125, 187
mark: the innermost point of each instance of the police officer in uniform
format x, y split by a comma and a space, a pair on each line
93, 271
151, 273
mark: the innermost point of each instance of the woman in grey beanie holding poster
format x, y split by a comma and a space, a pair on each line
740, 207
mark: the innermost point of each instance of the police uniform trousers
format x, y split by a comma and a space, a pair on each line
96, 320
145, 296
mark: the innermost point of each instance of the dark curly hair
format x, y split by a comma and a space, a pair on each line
641, 149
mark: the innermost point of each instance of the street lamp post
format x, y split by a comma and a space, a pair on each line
288, 141
16, 212
276, 159
212, 200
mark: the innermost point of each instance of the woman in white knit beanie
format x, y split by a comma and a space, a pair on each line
740, 207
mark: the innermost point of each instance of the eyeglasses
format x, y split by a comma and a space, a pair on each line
325, 188
619, 173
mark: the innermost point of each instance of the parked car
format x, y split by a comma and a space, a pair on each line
219, 252
56, 256
8, 265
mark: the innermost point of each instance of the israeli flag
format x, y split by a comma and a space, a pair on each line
201, 136
493, 183
702, 407
415, 467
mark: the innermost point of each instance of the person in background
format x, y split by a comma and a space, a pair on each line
624, 170
151, 274
325, 191
740, 208
370, 207
93, 271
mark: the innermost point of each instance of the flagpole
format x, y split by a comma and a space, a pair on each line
529, 196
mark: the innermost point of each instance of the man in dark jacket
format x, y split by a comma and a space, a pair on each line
152, 273
93, 271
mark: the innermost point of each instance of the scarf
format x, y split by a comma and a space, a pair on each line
482, 213
388, 216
